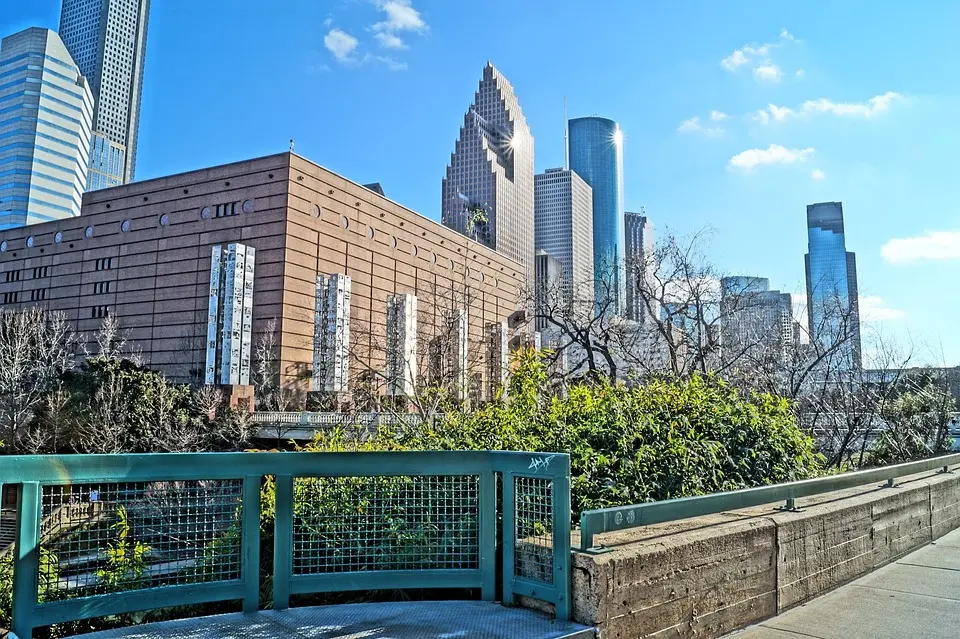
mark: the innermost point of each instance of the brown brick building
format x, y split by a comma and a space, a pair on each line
142, 253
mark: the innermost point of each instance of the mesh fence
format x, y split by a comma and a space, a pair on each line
350, 524
533, 556
113, 537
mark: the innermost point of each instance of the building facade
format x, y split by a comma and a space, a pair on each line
563, 223
108, 40
638, 230
487, 193
46, 108
756, 323
550, 287
596, 155
833, 305
144, 254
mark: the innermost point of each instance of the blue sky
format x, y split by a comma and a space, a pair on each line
858, 103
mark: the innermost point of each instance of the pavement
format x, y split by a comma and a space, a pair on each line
916, 596
394, 620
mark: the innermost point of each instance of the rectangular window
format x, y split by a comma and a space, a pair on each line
104, 264
12, 276
100, 288
13, 297
38, 294
226, 210
41, 271
98, 312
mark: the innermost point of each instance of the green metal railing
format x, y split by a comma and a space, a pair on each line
595, 522
102, 535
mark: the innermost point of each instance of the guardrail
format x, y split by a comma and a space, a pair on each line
595, 522
137, 532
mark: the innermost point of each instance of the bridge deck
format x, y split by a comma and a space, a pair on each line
916, 596
399, 620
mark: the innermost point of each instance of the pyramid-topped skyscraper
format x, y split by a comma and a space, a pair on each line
488, 188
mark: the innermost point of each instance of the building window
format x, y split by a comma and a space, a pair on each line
38, 294
99, 288
12, 276
11, 297
104, 264
98, 312
226, 210
41, 271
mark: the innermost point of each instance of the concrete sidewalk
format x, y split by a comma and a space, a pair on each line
916, 596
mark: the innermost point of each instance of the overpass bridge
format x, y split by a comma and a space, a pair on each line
280, 543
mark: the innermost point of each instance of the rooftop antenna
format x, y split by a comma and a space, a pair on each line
291, 145
566, 142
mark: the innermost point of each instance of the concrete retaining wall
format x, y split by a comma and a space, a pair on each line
708, 576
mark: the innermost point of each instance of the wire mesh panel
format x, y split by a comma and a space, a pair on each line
353, 524
102, 538
533, 554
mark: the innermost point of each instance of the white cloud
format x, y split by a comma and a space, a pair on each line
342, 45
786, 35
818, 175
328, 22
734, 60
875, 309
389, 40
750, 52
875, 105
768, 73
934, 245
388, 61
401, 16
800, 73
693, 126
718, 116
774, 154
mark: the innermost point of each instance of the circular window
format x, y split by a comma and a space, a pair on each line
370, 232
247, 206
125, 226
344, 222
164, 220
433, 258
413, 250
205, 212
315, 211
481, 277
30, 242
393, 242
3, 246
88, 232
58, 237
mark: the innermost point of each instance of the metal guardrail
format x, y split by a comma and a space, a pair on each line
595, 522
333, 419
137, 532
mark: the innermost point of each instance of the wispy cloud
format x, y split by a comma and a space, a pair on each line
328, 22
877, 105
934, 246
875, 309
693, 125
718, 116
768, 73
389, 41
818, 175
342, 45
800, 73
400, 16
774, 154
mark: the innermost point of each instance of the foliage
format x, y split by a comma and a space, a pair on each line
126, 567
49, 577
918, 421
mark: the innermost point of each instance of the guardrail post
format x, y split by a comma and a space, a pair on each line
250, 537
488, 535
509, 535
26, 572
283, 542
561, 542
892, 482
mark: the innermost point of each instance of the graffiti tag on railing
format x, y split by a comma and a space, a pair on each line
540, 463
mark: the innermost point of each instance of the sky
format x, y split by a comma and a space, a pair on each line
736, 115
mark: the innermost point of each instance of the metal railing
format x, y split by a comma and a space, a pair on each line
595, 522
100, 535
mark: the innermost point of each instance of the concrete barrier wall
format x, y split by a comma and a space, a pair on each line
711, 575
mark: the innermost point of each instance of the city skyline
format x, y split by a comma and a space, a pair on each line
699, 157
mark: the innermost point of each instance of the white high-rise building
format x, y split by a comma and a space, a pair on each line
108, 40
564, 225
46, 109
488, 188
331, 333
638, 256
401, 344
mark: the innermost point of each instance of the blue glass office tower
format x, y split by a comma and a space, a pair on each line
596, 155
46, 109
833, 306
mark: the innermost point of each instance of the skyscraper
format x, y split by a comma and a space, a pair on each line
596, 155
756, 323
549, 287
563, 223
487, 193
108, 39
639, 250
833, 306
45, 113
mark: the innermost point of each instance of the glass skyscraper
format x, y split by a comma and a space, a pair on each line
108, 40
596, 155
833, 306
45, 113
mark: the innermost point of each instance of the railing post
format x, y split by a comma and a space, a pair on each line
488, 535
26, 571
509, 535
891, 482
791, 504
250, 536
561, 541
283, 542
